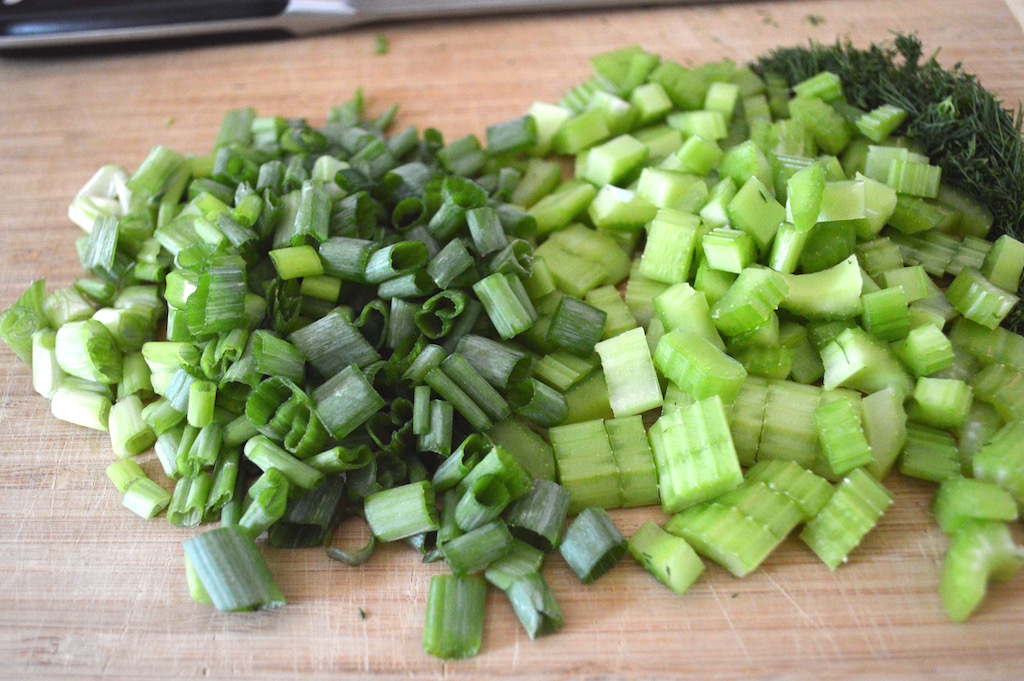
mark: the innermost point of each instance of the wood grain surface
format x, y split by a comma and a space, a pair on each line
87, 590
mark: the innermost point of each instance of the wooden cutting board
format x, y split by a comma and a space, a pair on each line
88, 590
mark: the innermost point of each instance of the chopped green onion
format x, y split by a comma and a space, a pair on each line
401, 512
232, 571
455, 616
145, 498
592, 545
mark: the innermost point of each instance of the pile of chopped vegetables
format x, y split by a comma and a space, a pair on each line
459, 345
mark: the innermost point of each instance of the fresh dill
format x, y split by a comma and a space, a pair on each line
962, 127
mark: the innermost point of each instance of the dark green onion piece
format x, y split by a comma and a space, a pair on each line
592, 544
346, 258
455, 616
457, 466
283, 412
275, 356
457, 397
505, 466
218, 303
539, 403
188, 503
346, 401
482, 503
24, 318
506, 303
437, 315
535, 605
308, 520
448, 266
538, 517
474, 551
332, 343
266, 455
576, 326
522, 560
225, 477
232, 571
499, 364
462, 373
341, 459
438, 437
353, 558
401, 512
486, 230
518, 134
266, 508
395, 260
421, 410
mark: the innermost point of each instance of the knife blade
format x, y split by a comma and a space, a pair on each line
51, 23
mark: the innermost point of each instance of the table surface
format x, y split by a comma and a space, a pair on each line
88, 590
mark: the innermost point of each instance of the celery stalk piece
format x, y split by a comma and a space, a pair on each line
694, 455
929, 454
749, 301
980, 551
788, 431
586, 465
726, 535
699, 368
671, 238
959, 501
841, 436
754, 210
634, 462
852, 511
683, 307
857, 360
633, 386
833, 293
1001, 460
806, 490
885, 426
746, 417
670, 559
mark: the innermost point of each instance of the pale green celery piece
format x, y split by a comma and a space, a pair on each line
1001, 460
755, 211
698, 367
857, 360
879, 205
746, 416
1004, 263
670, 189
694, 455
671, 238
710, 125
980, 551
977, 429
806, 490
651, 103
615, 208
843, 200
683, 307
833, 293
788, 432
842, 437
614, 160
670, 559
929, 454
726, 535
633, 386
961, 500
852, 511
743, 162
634, 462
